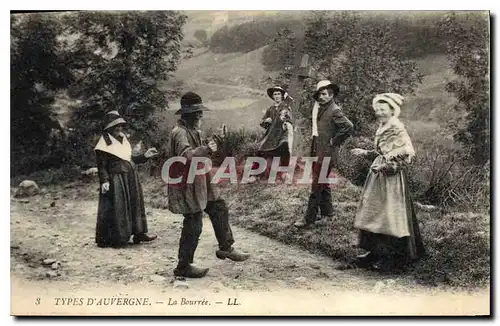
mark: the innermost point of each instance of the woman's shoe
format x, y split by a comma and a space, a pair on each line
366, 255
138, 238
366, 259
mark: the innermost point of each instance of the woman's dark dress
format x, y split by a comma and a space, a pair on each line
121, 211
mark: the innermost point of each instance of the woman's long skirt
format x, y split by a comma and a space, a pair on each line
121, 211
386, 218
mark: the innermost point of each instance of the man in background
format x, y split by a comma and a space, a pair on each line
330, 129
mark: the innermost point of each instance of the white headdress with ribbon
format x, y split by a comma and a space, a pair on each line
391, 137
394, 100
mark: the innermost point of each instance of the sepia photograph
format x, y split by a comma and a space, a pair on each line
250, 163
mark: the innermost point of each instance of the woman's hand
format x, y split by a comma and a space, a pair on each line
359, 152
389, 168
152, 152
268, 120
105, 187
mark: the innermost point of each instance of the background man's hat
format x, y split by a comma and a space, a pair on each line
113, 118
273, 89
324, 84
190, 103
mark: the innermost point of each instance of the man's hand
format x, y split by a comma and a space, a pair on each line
359, 152
212, 145
105, 187
223, 131
268, 120
152, 152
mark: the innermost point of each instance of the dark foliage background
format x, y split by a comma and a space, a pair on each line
99, 61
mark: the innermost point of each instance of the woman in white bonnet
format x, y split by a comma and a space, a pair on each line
386, 219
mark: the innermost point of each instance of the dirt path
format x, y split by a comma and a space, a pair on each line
65, 232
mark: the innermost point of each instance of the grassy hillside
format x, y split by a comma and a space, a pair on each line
236, 113
189, 69
244, 74
234, 69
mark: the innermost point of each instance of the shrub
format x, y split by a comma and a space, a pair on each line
458, 250
49, 176
354, 168
468, 52
241, 143
441, 174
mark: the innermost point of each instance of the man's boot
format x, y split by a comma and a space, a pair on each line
232, 254
303, 223
323, 220
191, 230
190, 271
219, 215
311, 214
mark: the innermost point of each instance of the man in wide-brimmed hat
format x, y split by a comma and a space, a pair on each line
330, 128
121, 211
192, 199
278, 138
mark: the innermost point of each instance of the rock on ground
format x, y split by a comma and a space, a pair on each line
157, 278
49, 261
27, 188
181, 284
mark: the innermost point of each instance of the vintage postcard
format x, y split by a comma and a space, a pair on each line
250, 163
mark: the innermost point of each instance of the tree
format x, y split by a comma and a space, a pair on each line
360, 58
38, 72
468, 52
250, 36
220, 40
278, 54
381, 68
121, 61
363, 60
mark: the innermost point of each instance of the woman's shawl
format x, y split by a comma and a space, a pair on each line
107, 143
393, 142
